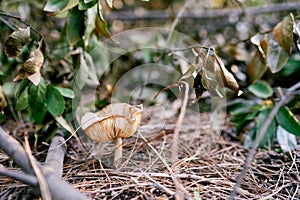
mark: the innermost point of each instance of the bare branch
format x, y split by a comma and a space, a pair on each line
24, 178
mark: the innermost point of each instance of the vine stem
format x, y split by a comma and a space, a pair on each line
260, 134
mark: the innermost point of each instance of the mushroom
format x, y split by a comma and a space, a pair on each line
114, 122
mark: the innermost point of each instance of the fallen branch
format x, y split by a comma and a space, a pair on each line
56, 154
260, 135
58, 188
19, 176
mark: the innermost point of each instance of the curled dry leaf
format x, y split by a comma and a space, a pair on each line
227, 78
215, 75
31, 68
118, 120
16, 41
101, 25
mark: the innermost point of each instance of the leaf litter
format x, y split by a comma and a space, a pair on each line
142, 175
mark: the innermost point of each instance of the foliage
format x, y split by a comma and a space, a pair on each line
49, 66
273, 52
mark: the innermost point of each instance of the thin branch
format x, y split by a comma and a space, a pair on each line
260, 135
178, 125
24, 178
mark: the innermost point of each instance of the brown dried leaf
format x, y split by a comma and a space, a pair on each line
260, 41
227, 78
256, 68
118, 120
3, 102
217, 75
16, 41
31, 68
101, 25
283, 33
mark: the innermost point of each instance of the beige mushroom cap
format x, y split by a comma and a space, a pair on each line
117, 120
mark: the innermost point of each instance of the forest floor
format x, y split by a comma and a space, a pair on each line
143, 174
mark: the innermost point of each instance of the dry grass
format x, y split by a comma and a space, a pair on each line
145, 175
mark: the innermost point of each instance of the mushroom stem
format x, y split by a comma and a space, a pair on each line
118, 151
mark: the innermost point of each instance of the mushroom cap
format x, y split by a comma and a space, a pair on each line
117, 120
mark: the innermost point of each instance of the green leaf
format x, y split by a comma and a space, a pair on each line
268, 137
22, 86
37, 102
55, 101
66, 92
55, 5
288, 121
261, 89
62, 121
240, 106
292, 66
90, 24
101, 25
276, 56
82, 74
71, 4
286, 140
60, 5
22, 100
87, 72
75, 26
84, 6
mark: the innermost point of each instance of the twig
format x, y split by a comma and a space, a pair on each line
124, 187
260, 135
177, 184
24, 178
160, 186
178, 125
275, 192
175, 141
